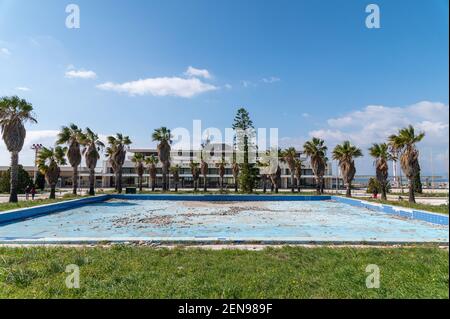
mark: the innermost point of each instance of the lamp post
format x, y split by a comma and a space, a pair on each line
36, 148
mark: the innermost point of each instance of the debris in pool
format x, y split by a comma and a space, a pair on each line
142, 220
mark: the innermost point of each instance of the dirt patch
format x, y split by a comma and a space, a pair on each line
141, 221
234, 208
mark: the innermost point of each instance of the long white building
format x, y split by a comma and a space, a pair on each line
105, 174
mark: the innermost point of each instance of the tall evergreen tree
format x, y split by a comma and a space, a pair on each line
244, 131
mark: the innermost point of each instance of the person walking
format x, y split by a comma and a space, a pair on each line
33, 192
27, 192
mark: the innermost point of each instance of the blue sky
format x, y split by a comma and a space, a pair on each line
305, 67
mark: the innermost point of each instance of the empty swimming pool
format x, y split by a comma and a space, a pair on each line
196, 221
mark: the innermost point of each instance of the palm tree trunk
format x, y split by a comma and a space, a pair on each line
92, 182
264, 184
205, 187
412, 197
275, 185
292, 183
75, 180
153, 184
52, 191
164, 177
236, 185
383, 191
14, 177
349, 190
318, 187
119, 181
116, 181
140, 183
298, 185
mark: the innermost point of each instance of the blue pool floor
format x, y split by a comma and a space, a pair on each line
306, 221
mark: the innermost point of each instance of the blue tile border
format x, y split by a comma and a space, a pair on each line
21, 214
433, 218
221, 198
29, 212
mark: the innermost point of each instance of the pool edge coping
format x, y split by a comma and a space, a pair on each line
188, 241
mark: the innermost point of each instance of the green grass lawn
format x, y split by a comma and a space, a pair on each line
290, 272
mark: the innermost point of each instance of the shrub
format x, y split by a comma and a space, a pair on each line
24, 180
373, 187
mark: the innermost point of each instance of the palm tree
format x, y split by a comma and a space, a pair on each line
405, 141
316, 151
91, 151
14, 113
164, 137
72, 136
221, 168
381, 154
49, 161
263, 167
269, 169
289, 156
204, 170
298, 165
345, 153
138, 160
116, 152
175, 171
151, 162
275, 179
235, 169
195, 174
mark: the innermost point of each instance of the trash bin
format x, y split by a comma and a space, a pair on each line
130, 190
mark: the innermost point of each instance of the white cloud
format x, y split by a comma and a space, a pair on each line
247, 84
5, 51
228, 86
305, 115
22, 88
297, 142
197, 73
270, 80
375, 123
162, 86
26, 157
80, 74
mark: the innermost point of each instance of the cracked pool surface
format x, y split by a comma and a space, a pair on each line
306, 220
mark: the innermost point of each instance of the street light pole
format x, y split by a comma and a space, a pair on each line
36, 148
